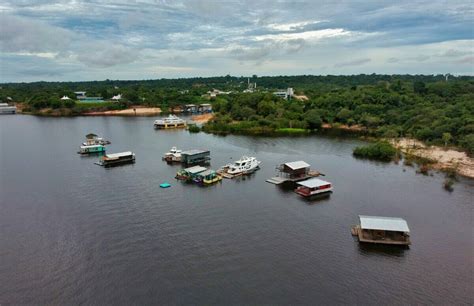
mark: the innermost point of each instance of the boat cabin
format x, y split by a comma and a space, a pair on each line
195, 156
312, 187
189, 173
382, 230
91, 149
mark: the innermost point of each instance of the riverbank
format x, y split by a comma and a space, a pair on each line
441, 158
202, 119
134, 111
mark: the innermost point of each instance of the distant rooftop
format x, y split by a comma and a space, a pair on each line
383, 223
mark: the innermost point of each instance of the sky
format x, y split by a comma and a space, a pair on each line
69, 40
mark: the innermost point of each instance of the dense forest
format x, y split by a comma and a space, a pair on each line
426, 107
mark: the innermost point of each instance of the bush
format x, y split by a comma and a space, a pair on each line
382, 151
194, 129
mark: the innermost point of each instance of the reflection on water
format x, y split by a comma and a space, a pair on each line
75, 233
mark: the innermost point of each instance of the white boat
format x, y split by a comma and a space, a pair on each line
7, 109
245, 165
170, 122
174, 155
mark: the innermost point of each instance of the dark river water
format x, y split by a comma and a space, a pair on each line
72, 232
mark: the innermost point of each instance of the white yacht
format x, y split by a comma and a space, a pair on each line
170, 122
174, 155
244, 165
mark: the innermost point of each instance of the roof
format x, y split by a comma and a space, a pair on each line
91, 146
207, 172
195, 169
383, 223
314, 182
91, 135
297, 165
117, 155
194, 152
205, 104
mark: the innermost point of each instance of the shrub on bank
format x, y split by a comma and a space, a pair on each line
382, 151
194, 129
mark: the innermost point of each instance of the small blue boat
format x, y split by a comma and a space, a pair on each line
165, 185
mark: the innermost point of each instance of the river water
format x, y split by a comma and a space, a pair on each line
72, 232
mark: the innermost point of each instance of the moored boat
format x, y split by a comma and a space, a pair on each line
7, 109
207, 177
116, 159
382, 230
93, 139
91, 149
313, 186
189, 173
245, 165
174, 155
170, 122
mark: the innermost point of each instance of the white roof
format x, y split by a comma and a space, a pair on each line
116, 155
298, 165
314, 182
65, 98
194, 152
195, 169
384, 223
91, 146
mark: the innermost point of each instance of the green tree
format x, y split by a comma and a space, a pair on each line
447, 138
313, 119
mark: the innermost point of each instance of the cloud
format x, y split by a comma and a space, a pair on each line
393, 60
356, 62
18, 34
101, 55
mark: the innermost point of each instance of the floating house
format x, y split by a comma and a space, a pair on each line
313, 186
7, 109
93, 139
293, 172
195, 156
116, 159
189, 173
170, 122
205, 108
382, 230
88, 149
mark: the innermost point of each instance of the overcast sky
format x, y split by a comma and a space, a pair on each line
118, 39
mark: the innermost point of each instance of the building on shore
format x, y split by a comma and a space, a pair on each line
287, 95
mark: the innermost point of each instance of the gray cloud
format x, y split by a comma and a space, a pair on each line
393, 60
107, 55
356, 62
19, 34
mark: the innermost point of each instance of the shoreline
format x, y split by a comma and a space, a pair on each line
134, 111
443, 158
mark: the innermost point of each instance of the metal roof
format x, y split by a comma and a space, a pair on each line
193, 152
383, 223
116, 155
314, 182
298, 165
195, 169
207, 172
91, 146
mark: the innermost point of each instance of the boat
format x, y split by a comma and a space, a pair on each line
293, 172
7, 109
313, 186
116, 159
91, 149
382, 230
189, 173
93, 139
245, 165
170, 122
207, 177
165, 185
174, 155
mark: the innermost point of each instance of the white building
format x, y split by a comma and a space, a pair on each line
288, 94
